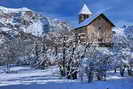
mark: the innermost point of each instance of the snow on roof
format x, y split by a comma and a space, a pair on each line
90, 19
12, 10
85, 10
87, 21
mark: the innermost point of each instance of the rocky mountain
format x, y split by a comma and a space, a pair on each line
28, 21
129, 31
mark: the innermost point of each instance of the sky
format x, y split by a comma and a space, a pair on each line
120, 12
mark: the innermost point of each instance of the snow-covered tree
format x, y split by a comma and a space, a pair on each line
121, 51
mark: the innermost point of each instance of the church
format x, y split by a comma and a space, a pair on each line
94, 28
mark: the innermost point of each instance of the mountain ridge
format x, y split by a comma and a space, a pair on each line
29, 21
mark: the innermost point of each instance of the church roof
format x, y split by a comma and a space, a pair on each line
85, 10
91, 19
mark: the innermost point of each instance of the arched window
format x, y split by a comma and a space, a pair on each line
99, 27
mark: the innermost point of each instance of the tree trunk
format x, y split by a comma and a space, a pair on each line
130, 72
89, 74
115, 70
8, 68
122, 71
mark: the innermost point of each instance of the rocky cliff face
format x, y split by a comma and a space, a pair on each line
28, 21
129, 31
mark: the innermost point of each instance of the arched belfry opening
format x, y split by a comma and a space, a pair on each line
84, 13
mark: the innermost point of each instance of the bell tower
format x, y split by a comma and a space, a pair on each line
84, 13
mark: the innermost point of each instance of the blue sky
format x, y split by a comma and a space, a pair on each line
120, 12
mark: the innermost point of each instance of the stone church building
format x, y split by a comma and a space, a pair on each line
94, 28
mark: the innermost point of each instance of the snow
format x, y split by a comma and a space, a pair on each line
119, 31
35, 28
25, 77
13, 10
24, 74
33, 22
125, 61
56, 25
5, 29
85, 10
88, 21
129, 31
130, 27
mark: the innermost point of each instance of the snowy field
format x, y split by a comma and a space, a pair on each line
29, 78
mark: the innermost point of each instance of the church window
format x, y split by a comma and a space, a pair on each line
99, 18
100, 39
100, 27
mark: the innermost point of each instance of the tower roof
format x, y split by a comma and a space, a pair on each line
91, 19
85, 10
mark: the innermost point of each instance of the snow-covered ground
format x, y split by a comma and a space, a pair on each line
29, 78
